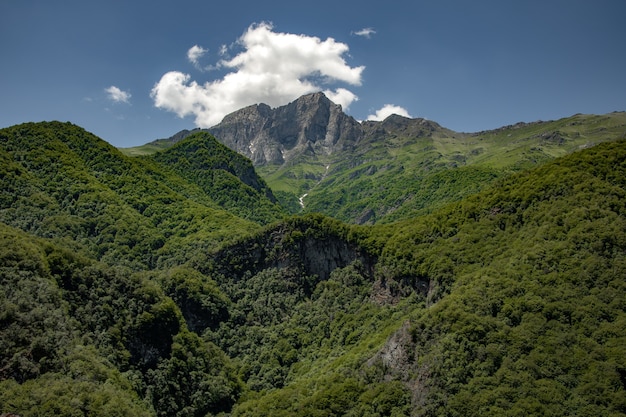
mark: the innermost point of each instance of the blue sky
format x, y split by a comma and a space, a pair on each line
134, 71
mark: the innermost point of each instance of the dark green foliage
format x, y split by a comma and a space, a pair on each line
60, 181
202, 303
126, 290
46, 368
227, 177
36, 333
535, 274
194, 381
78, 323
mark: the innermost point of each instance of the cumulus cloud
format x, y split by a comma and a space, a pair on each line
195, 53
117, 95
386, 111
365, 32
341, 96
272, 67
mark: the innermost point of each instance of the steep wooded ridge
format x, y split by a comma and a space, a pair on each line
173, 284
317, 159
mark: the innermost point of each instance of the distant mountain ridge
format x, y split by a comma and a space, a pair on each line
312, 124
315, 126
315, 158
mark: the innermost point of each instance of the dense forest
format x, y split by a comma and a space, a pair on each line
175, 284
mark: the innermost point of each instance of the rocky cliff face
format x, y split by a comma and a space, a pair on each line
396, 125
311, 124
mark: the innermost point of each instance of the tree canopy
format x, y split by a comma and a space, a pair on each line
173, 284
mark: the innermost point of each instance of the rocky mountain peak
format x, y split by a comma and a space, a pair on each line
310, 124
395, 125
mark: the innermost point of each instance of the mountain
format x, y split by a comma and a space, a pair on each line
229, 178
412, 166
511, 301
60, 181
315, 158
173, 284
311, 124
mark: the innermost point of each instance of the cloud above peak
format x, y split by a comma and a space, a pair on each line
271, 67
386, 111
117, 95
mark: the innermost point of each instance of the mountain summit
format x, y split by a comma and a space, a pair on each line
311, 124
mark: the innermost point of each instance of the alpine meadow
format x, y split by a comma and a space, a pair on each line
293, 261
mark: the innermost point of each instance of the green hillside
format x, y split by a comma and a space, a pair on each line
510, 302
407, 167
229, 178
61, 182
149, 286
413, 172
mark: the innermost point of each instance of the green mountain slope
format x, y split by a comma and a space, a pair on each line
81, 325
229, 178
397, 168
81, 337
126, 288
60, 181
510, 302
534, 322
419, 166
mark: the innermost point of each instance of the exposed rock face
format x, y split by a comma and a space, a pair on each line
301, 248
310, 124
395, 125
397, 355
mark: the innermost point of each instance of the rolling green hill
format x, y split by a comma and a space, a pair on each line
59, 181
415, 170
151, 286
227, 177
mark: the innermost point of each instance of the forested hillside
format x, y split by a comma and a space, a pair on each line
229, 178
150, 286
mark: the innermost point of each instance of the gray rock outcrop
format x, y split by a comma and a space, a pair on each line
312, 124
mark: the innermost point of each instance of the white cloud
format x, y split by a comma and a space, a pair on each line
365, 32
273, 68
386, 111
341, 96
117, 95
195, 53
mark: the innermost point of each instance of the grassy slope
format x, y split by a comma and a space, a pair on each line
404, 177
